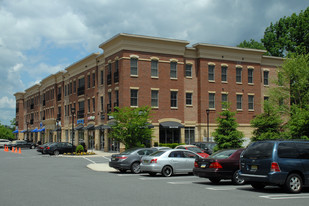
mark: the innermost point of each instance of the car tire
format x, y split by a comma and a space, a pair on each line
293, 183
136, 168
152, 174
236, 179
214, 180
56, 152
167, 171
122, 170
258, 186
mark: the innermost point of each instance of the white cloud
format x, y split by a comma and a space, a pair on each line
6, 102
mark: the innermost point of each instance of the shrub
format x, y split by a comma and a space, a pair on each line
171, 145
79, 149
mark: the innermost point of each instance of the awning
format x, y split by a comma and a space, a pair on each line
102, 127
23, 131
41, 130
171, 125
89, 127
35, 130
79, 127
16, 131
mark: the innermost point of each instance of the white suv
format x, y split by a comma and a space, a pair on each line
4, 142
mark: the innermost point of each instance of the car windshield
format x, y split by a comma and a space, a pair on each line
157, 153
195, 149
211, 146
222, 154
259, 150
129, 151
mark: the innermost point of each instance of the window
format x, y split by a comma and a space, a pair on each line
211, 100
116, 73
74, 86
239, 101
93, 104
188, 70
154, 68
102, 103
250, 76
266, 98
133, 66
154, 98
266, 73
88, 105
250, 102
109, 74
238, 74
224, 74
173, 70
189, 135
189, 98
224, 101
174, 95
93, 79
88, 77
211, 72
134, 97
116, 104
287, 150
102, 77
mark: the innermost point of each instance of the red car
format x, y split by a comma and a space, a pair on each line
223, 164
194, 149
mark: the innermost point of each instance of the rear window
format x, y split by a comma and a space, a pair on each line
195, 149
222, 154
157, 153
127, 152
259, 150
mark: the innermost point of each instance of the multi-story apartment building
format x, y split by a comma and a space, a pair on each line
184, 85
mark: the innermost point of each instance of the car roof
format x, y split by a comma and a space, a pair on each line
188, 145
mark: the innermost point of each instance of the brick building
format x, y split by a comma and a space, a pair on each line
179, 82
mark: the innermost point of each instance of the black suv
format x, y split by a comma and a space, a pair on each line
283, 163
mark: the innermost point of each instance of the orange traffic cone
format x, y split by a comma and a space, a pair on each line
19, 151
16, 150
13, 149
5, 149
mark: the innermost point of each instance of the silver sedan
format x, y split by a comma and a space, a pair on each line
169, 162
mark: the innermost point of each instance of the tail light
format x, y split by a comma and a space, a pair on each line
47, 147
275, 167
215, 165
153, 161
122, 158
195, 164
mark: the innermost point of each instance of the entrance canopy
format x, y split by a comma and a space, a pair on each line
89, 127
171, 125
79, 127
16, 131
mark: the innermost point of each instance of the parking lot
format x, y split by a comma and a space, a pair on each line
32, 179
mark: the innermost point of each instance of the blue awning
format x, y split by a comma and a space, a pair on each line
41, 130
16, 131
35, 130
23, 131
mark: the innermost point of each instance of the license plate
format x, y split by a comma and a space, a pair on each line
254, 167
113, 158
146, 161
203, 165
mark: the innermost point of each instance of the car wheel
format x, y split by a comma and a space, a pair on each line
236, 179
294, 183
56, 152
152, 174
257, 186
214, 180
167, 171
136, 168
122, 170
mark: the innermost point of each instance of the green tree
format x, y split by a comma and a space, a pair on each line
227, 135
267, 125
131, 126
298, 126
6, 132
288, 35
252, 44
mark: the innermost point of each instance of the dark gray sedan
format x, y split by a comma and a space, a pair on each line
130, 159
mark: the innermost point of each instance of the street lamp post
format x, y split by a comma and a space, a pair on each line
207, 113
57, 125
72, 112
27, 123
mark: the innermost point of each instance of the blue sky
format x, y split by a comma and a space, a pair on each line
39, 38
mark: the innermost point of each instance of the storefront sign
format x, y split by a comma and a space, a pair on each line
91, 118
80, 121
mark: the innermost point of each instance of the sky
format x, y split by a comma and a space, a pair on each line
42, 37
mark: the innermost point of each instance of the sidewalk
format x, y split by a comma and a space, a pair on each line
101, 167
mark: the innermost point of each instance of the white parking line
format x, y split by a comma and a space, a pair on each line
164, 178
93, 162
182, 183
106, 158
285, 197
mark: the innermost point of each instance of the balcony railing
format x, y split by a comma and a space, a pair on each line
80, 91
